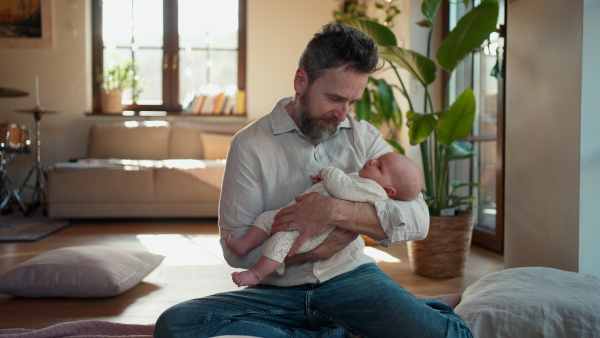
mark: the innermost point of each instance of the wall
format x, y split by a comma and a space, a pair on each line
63, 80
552, 156
418, 42
277, 33
590, 141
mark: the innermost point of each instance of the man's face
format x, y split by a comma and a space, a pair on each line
321, 107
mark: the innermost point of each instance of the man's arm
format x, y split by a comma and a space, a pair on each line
241, 200
385, 221
315, 213
337, 240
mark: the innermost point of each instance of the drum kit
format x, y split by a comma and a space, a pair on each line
15, 140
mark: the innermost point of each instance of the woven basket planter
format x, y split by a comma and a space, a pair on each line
443, 254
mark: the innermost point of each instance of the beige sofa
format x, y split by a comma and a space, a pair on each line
143, 169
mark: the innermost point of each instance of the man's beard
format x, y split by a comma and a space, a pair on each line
310, 125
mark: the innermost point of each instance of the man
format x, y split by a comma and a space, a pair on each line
334, 290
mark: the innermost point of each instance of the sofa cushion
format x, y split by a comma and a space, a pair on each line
174, 185
101, 185
148, 140
184, 141
185, 137
215, 146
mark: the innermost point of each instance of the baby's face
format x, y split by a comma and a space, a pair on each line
380, 170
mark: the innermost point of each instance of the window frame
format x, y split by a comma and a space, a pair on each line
170, 76
493, 241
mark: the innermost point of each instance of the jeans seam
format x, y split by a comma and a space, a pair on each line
307, 311
209, 317
345, 329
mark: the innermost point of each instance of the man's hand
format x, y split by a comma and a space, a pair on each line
337, 240
312, 215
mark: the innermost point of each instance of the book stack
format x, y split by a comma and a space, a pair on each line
222, 102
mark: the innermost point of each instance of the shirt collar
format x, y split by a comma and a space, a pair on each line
281, 122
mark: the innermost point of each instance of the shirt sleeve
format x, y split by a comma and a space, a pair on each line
400, 220
403, 221
241, 200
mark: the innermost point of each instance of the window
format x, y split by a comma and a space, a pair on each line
181, 48
484, 73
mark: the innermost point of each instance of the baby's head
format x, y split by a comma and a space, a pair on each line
397, 174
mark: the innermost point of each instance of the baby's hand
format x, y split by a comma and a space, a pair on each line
316, 178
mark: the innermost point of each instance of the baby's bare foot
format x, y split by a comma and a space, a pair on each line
238, 246
245, 278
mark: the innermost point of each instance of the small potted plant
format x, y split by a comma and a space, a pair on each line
120, 75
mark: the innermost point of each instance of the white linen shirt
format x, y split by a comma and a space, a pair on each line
269, 163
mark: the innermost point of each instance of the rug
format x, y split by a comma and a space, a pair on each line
18, 228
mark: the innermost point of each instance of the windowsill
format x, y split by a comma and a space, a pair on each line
129, 113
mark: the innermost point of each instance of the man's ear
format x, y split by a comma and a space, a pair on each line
300, 80
390, 191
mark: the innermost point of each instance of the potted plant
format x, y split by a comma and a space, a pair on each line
437, 133
120, 75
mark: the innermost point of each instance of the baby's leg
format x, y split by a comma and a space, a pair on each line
264, 267
314, 242
255, 237
278, 245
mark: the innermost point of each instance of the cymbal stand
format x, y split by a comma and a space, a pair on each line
7, 189
41, 180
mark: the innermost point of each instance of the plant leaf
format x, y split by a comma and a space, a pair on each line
459, 151
457, 122
420, 126
382, 35
388, 107
386, 97
429, 8
362, 109
420, 66
395, 145
456, 184
423, 23
470, 32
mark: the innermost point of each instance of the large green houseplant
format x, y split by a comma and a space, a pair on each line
438, 133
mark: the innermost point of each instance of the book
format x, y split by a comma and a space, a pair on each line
240, 107
208, 104
229, 108
219, 100
198, 102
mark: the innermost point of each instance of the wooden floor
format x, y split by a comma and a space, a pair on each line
194, 267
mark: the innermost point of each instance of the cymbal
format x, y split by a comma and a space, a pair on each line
9, 92
35, 110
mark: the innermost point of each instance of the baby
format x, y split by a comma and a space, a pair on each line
392, 175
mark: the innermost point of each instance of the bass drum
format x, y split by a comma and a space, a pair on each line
14, 138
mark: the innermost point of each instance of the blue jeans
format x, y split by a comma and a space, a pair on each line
364, 301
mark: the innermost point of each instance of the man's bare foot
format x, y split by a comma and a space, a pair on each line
451, 299
245, 278
238, 246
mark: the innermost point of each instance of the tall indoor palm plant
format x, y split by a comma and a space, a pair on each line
438, 133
